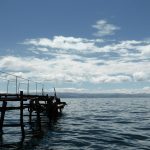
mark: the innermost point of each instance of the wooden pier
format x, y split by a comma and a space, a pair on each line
36, 105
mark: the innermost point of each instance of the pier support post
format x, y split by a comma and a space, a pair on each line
38, 114
21, 113
30, 111
2, 115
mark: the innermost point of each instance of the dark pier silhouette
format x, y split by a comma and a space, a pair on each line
49, 106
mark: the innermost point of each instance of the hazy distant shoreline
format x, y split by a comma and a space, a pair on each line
102, 95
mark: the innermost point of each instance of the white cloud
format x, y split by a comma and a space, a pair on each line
65, 68
104, 28
76, 68
71, 45
140, 76
15, 63
145, 50
72, 89
42, 49
60, 68
146, 89
121, 52
110, 79
121, 46
65, 43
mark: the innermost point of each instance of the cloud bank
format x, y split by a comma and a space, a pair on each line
76, 60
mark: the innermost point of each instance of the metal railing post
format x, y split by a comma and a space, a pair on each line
16, 84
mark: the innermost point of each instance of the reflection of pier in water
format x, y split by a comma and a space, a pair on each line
33, 136
23, 114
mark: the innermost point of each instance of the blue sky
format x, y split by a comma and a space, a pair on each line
77, 46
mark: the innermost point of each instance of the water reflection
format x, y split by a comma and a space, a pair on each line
12, 138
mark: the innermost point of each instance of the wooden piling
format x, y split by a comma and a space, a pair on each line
38, 113
30, 111
21, 113
2, 115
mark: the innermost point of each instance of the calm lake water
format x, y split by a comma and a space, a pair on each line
90, 124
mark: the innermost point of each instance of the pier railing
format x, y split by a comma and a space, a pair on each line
14, 83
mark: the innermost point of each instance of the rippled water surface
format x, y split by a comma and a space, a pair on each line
96, 124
